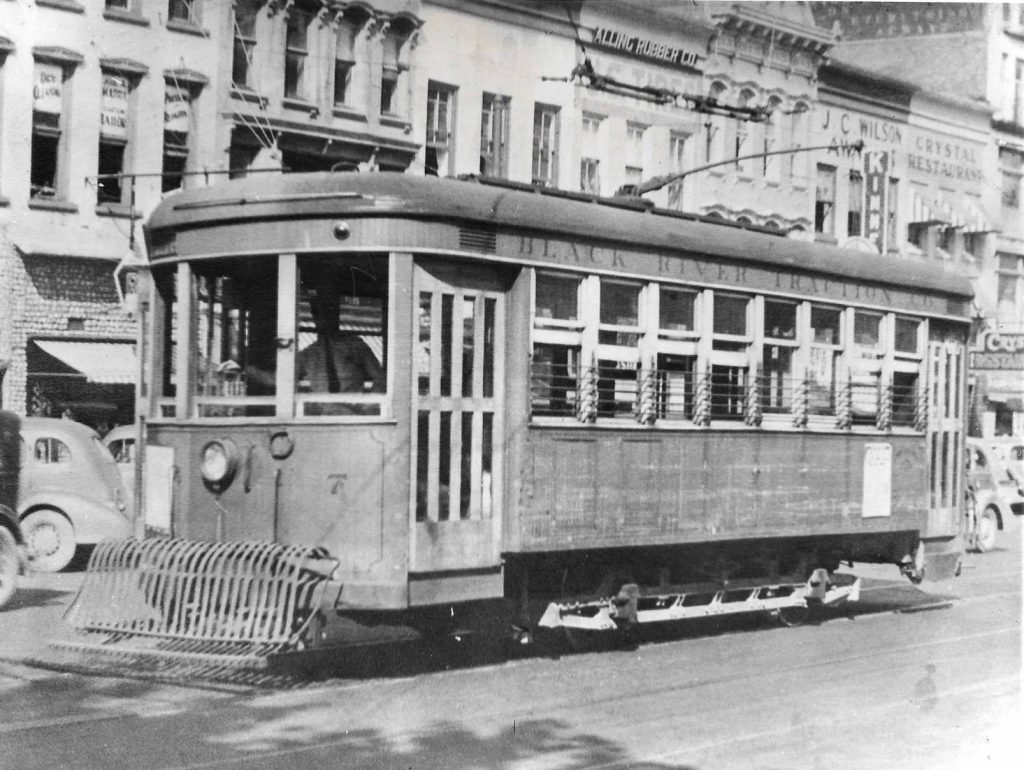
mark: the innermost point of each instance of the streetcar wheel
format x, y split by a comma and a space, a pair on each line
988, 526
50, 538
8, 565
793, 616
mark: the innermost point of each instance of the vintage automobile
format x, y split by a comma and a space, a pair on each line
71, 492
11, 541
997, 494
121, 443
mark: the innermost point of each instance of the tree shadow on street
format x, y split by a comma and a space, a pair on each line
442, 744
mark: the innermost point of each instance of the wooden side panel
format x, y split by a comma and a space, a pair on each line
594, 488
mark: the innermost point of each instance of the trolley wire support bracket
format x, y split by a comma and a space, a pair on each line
631, 606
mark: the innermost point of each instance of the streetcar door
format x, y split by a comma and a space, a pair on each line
946, 378
457, 422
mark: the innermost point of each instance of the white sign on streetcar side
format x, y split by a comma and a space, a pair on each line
876, 500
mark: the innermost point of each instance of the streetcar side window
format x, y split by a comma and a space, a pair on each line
341, 363
823, 365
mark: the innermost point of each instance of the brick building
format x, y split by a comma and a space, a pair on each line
88, 92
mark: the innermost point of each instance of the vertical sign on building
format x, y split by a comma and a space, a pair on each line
47, 90
876, 175
177, 109
114, 107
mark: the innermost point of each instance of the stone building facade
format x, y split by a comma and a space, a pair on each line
966, 58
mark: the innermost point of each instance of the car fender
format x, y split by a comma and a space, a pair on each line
990, 499
92, 521
9, 519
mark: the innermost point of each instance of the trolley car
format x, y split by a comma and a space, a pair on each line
380, 400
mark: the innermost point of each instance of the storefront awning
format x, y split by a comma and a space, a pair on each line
962, 213
104, 363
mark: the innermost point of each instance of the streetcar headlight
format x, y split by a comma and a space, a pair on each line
218, 463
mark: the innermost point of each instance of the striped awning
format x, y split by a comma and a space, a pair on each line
963, 213
104, 363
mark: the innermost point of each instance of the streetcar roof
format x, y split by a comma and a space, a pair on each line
535, 211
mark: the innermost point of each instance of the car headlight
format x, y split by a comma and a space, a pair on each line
218, 463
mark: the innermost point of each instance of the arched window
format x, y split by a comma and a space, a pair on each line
743, 136
799, 122
772, 140
714, 125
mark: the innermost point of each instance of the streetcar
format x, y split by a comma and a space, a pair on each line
378, 401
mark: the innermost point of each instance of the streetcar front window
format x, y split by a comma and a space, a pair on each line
340, 365
234, 336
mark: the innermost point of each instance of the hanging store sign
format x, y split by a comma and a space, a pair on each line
177, 109
114, 107
642, 48
876, 174
47, 91
999, 351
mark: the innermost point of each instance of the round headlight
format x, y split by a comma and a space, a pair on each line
218, 463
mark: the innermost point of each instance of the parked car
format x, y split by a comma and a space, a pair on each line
70, 492
121, 443
11, 541
997, 495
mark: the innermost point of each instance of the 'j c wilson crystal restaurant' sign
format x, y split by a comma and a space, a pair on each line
642, 48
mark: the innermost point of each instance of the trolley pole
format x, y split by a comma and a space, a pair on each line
660, 181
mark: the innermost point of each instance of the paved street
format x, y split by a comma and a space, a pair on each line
904, 678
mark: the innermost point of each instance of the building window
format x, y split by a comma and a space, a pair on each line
177, 127
244, 44
824, 200
741, 145
118, 5
591, 150
635, 153
183, 10
1011, 167
1018, 93
440, 122
296, 53
855, 205
344, 61
115, 131
714, 127
798, 138
1010, 288
677, 164
48, 121
545, 145
494, 116
393, 71
772, 140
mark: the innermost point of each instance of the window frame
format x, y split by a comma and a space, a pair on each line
546, 134
440, 139
495, 118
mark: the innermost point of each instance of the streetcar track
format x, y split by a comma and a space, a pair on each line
802, 726
615, 714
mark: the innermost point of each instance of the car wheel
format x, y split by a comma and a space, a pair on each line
50, 538
8, 565
988, 526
